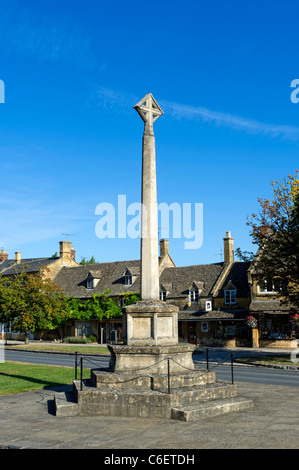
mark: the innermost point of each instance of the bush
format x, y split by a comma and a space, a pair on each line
92, 339
77, 339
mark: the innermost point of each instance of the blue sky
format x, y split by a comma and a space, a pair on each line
70, 138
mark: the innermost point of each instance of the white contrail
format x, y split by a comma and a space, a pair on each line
181, 111
123, 102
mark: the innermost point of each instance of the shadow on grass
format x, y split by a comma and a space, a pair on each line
44, 383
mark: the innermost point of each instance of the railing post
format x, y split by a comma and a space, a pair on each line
207, 358
76, 363
168, 374
81, 373
232, 367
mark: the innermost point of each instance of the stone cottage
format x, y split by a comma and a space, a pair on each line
213, 299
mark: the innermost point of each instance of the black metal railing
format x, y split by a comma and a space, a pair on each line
218, 363
87, 357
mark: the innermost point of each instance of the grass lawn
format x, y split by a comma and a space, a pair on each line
278, 359
18, 378
62, 347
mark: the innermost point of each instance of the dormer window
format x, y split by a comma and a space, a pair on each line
128, 279
230, 296
131, 274
194, 295
93, 278
90, 283
268, 286
163, 294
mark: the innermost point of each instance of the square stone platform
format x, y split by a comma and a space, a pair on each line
150, 322
152, 359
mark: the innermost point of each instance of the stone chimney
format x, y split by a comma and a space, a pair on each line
3, 256
164, 247
65, 249
228, 248
73, 253
17, 256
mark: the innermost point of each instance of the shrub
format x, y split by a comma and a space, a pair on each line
92, 339
76, 339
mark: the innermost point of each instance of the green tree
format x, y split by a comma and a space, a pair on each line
31, 302
85, 261
275, 231
98, 307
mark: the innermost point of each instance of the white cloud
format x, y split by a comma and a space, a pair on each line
181, 111
43, 37
108, 98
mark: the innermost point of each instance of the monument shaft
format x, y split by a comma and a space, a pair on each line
149, 111
149, 221
149, 322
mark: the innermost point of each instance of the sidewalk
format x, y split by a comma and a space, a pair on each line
198, 348
27, 421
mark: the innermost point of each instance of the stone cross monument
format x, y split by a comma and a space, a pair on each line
150, 111
150, 326
152, 374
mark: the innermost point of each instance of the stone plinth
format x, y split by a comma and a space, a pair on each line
150, 323
151, 359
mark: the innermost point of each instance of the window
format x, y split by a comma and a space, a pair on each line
163, 295
83, 329
267, 286
128, 279
230, 296
194, 295
90, 283
79, 329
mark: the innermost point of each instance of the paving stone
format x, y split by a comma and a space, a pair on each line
270, 425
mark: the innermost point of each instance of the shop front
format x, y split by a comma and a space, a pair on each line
276, 330
223, 329
275, 326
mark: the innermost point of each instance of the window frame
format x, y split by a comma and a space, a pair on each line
232, 300
163, 295
265, 291
90, 283
194, 296
128, 280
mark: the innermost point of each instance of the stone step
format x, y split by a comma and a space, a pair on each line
65, 404
105, 379
155, 404
210, 409
189, 379
193, 395
184, 395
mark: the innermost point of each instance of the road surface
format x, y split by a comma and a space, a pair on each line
222, 369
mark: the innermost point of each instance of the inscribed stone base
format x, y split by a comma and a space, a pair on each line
151, 359
149, 323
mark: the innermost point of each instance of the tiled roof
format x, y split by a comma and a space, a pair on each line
183, 279
237, 276
29, 265
269, 306
73, 280
176, 280
6, 264
213, 315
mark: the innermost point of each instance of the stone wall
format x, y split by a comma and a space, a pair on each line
278, 343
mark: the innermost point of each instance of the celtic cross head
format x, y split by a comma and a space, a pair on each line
149, 111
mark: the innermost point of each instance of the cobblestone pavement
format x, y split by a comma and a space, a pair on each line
28, 421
